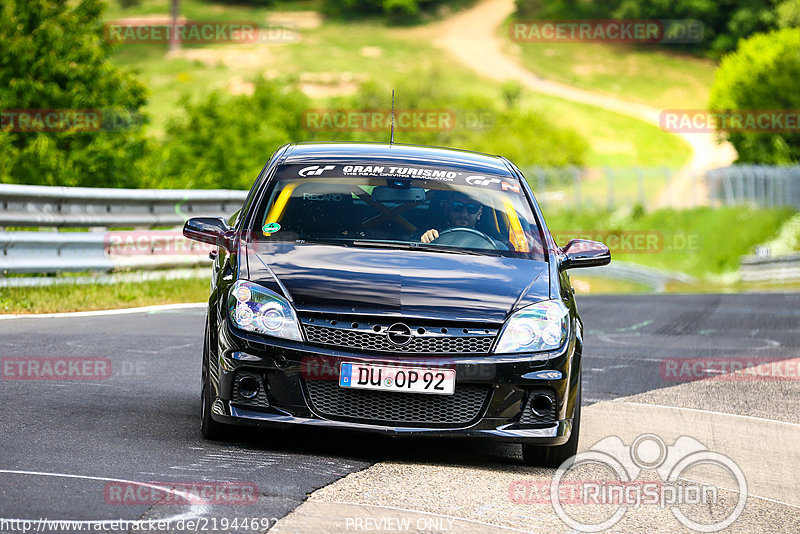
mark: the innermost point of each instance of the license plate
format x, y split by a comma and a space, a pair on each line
399, 379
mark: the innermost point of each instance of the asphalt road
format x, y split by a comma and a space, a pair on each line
64, 443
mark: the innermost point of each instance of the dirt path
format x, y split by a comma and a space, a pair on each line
470, 37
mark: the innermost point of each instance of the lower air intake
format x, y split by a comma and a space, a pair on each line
388, 408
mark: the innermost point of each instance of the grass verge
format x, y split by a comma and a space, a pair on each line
614, 140
643, 74
86, 297
201, 9
706, 243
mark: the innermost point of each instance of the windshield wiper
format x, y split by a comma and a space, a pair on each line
405, 245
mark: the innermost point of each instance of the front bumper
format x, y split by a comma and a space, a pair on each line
284, 368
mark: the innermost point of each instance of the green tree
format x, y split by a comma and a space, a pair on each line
223, 142
397, 11
54, 56
761, 75
724, 21
480, 122
788, 14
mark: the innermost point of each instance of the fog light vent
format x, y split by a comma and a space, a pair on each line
248, 390
540, 408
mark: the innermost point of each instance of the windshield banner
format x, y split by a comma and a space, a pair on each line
437, 174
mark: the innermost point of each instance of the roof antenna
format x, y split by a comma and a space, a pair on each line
391, 136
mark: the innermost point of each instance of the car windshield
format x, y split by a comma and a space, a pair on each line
444, 210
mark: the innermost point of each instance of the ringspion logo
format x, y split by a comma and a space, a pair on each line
574, 495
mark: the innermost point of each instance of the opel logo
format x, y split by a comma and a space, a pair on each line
399, 334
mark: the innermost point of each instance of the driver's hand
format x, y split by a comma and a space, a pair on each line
430, 235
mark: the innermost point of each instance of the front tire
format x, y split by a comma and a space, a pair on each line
554, 456
210, 429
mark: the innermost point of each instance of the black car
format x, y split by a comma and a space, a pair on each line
398, 289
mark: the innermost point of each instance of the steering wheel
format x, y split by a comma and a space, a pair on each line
465, 238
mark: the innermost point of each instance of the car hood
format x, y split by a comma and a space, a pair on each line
342, 280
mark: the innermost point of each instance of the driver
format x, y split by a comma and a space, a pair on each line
461, 212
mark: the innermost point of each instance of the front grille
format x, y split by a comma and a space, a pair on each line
529, 417
432, 340
384, 407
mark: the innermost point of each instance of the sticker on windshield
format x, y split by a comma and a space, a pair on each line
399, 172
270, 228
487, 181
426, 174
315, 170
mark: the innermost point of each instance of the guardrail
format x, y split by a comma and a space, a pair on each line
777, 269
98, 251
56, 252
655, 279
74, 207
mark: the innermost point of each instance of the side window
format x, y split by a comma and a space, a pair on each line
258, 186
261, 182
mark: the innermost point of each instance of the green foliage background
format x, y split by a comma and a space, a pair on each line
397, 11
223, 141
54, 57
763, 74
725, 21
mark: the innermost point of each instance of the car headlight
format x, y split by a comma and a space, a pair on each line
257, 309
538, 327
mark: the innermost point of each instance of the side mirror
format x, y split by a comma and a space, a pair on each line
212, 230
584, 253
